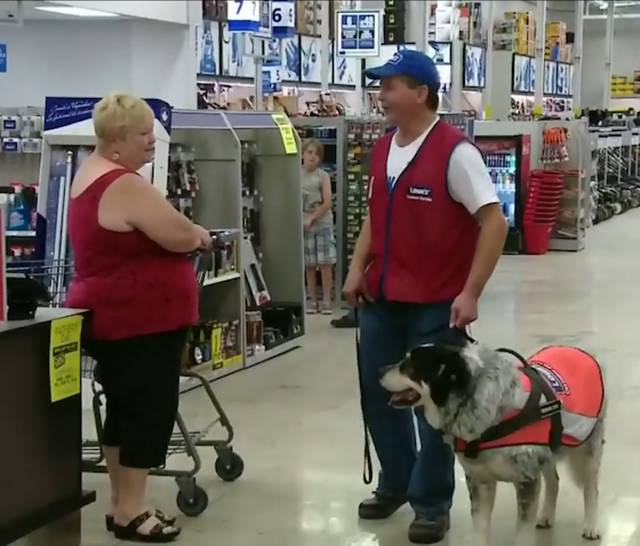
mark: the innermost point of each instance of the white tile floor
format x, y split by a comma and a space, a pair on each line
298, 422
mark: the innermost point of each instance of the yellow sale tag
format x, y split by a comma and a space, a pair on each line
488, 112
538, 111
64, 357
286, 132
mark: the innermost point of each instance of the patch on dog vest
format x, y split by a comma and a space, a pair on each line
576, 380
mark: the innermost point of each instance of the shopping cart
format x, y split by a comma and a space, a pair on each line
191, 499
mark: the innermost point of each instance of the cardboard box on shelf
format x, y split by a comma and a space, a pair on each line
556, 27
531, 48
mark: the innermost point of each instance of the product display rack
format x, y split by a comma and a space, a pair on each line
572, 221
246, 182
20, 153
615, 179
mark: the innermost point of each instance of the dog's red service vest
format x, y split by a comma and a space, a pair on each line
422, 240
576, 380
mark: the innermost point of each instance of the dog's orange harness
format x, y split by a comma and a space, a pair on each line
570, 381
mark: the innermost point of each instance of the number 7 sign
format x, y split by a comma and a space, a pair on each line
243, 15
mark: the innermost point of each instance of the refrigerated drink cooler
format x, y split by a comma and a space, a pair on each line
508, 162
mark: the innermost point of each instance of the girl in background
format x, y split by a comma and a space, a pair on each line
319, 238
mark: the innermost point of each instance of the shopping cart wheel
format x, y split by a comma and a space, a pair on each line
229, 466
195, 506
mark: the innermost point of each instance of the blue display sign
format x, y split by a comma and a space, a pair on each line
64, 111
271, 80
283, 18
3, 57
358, 33
243, 15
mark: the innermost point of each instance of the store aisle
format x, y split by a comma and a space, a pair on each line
299, 431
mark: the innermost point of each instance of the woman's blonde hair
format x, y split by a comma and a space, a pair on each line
316, 145
117, 113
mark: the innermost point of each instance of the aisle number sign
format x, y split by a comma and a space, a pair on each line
64, 357
243, 15
286, 133
283, 18
358, 33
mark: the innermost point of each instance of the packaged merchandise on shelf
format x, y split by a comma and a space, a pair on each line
216, 344
182, 181
361, 136
255, 332
250, 198
554, 145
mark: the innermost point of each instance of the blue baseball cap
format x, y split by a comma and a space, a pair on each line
407, 62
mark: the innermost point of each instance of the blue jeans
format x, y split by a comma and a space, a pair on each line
425, 478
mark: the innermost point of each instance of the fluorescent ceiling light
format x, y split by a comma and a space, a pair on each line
76, 12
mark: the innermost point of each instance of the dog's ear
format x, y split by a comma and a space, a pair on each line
441, 367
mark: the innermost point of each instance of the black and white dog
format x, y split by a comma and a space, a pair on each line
469, 391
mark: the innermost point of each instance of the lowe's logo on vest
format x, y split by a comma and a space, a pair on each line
552, 377
419, 193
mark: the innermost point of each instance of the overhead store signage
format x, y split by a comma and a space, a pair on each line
358, 33
283, 18
243, 15
271, 80
3, 57
65, 111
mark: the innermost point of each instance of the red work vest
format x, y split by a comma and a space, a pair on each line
576, 380
422, 241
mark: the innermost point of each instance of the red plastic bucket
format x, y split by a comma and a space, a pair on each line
537, 237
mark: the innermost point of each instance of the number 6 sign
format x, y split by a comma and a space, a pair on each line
283, 18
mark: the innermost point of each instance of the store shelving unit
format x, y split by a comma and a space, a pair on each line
228, 147
19, 164
571, 228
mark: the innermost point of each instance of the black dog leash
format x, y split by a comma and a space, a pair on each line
367, 470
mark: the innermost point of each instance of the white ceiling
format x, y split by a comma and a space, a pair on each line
29, 13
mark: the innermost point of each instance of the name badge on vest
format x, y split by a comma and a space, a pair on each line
420, 193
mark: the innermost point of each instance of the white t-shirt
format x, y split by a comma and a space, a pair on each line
468, 178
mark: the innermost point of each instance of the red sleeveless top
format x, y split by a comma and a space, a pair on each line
131, 285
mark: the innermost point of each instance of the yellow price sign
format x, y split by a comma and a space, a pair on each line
538, 111
286, 132
64, 357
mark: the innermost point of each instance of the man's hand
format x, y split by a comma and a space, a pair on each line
464, 311
355, 287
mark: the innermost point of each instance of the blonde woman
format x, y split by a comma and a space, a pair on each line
319, 238
132, 273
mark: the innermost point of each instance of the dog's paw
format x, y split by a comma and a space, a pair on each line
545, 522
591, 533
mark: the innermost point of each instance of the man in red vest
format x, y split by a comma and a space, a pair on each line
433, 236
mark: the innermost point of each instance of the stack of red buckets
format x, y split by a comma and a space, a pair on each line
543, 202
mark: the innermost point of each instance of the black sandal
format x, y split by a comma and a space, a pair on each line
157, 534
169, 520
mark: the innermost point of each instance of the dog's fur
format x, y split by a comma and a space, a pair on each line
465, 391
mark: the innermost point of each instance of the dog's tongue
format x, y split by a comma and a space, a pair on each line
404, 398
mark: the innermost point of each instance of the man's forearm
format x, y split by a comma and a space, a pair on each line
360, 258
493, 232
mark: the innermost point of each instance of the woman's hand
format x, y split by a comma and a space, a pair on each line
206, 241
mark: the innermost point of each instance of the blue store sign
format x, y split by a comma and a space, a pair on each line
243, 15
283, 18
3, 57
